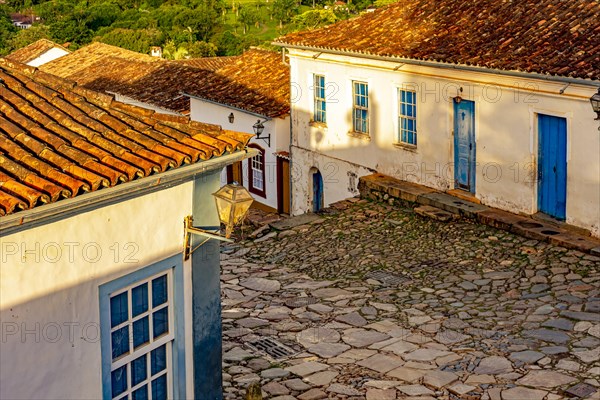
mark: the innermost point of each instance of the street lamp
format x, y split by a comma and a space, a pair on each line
233, 202
258, 128
595, 100
231, 118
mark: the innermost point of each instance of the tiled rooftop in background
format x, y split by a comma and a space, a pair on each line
59, 140
257, 81
553, 37
33, 51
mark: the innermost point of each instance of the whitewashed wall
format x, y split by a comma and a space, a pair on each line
49, 290
505, 127
279, 128
48, 56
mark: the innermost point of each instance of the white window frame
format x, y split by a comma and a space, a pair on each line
356, 107
402, 117
317, 112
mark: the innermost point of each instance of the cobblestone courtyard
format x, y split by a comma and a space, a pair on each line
376, 302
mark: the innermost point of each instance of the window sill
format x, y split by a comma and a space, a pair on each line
405, 146
316, 124
359, 135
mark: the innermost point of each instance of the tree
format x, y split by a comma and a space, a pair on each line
138, 40
7, 31
314, 18
25, 37
202, 49
248, 16
284, 10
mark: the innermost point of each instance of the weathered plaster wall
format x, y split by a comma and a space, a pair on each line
49, 280
279, 128
506, 111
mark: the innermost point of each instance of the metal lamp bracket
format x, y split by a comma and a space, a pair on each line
190, 230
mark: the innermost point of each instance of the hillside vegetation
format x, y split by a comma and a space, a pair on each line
183, 28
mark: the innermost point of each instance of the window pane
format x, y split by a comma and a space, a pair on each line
160, 322
139, 370
159, 388
141, 393
120, 342
139, 299
118, 380
118, 309
159, 291
158, 359
141, 332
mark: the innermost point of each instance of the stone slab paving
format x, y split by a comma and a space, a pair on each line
479, 313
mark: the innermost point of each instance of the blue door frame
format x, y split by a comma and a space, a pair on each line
464, 145
552, 166
317, 191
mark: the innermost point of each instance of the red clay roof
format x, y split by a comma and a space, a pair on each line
555, 37
33, 51
257, 81
59, 140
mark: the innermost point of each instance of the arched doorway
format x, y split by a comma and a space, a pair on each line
317, 190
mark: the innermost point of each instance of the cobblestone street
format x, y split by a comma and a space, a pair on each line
373, 301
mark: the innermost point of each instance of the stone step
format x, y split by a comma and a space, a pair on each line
435, 213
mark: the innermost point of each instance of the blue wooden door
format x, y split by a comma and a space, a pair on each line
552, 165
464, 145
317, 191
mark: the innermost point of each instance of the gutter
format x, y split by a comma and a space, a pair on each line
66, 208
437, 64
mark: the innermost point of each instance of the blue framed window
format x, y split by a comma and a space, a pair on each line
360, 107
407, 117
140, 358
320, 99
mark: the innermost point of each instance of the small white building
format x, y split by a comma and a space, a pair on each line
38, 53
97, 300
491, 102
234, 92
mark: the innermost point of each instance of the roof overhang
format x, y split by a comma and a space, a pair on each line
437, 64
66, 208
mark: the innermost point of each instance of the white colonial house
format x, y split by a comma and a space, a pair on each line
97, 299
234, 92
489, 101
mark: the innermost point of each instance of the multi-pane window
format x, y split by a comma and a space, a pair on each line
320, 100
407, 117
141, 339
360, 107
256, 173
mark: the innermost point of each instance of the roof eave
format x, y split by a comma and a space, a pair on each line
48, 213
437, 64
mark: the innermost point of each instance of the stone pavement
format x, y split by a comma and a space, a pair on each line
375, 302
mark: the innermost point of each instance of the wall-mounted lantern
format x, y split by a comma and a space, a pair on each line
231, 118
458, 97
258, 128
595, 100
233, 202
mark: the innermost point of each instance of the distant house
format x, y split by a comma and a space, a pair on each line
252, 89
23, 21
38, 53
489, 100
234, 92
96, 298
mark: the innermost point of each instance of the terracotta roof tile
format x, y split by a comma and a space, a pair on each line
58, 140
554, 37
33, 51
257, 81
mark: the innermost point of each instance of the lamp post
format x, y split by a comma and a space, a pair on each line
233, 202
